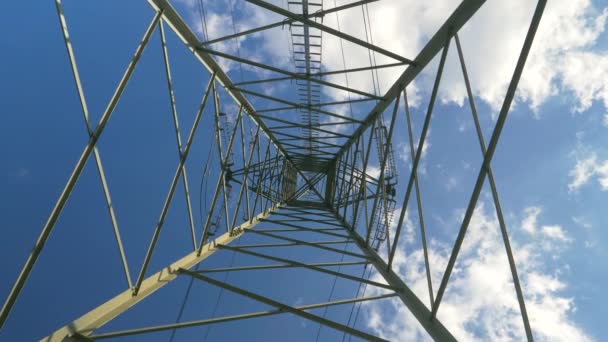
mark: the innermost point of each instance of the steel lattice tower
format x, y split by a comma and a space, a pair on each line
288, 183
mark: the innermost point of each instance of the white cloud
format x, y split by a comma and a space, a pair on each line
562, 60
555, 232
528, 224
586, 168
480, 301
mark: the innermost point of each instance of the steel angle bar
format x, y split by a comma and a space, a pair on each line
185, 34
167, 203
457, 19
286, 22
261, 172
311, 244
352, 179
346, 71
321, 124
245, 180
299, 192
500, 122
291, 230
301, 215
177, 131
270, 180
75, 175
380, 184
235, 317
305, 228
312, 108
224, 159
427, 266
363, 188
284, 307
309, 266
246, 165
304, 211
343, 180
274, 266
94, 319
433, 327
282, 71
322, 222
320, 74
96, 154
290, 244
416, 161
497, 206
334, 32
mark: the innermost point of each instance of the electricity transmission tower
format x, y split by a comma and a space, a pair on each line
293, 174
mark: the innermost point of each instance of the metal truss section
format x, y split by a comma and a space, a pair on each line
292, 189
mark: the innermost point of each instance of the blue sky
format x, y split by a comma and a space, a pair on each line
551, 167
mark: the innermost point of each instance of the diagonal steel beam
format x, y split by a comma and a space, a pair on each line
235, 317
312, 23
185, 34
94, 319
67, 190
282, 306
416, 161
433, 327
274, 266
96, 154
177, 131
457, 19
310, 267
497, 206
169, 197
287, 22
419, 201
500, 122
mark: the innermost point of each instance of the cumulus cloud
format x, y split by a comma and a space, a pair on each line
587, 167
564, 58
480, 301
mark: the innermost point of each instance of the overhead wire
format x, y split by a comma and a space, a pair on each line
203, 19
236, 39
203, 182
233, 254
376, 87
